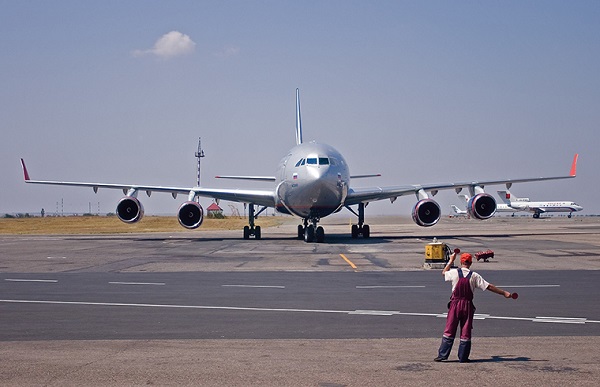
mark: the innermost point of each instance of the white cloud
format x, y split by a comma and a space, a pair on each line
169, 45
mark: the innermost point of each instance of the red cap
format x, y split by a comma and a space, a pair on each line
466, 257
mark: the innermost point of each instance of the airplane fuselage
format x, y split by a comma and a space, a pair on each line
500, 207
542, 207
312, 181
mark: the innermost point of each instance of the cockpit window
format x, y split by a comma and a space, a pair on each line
315, 161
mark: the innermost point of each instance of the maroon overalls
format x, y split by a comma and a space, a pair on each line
461, 309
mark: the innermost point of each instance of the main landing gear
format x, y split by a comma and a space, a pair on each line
252, 230
311, 232
360, 228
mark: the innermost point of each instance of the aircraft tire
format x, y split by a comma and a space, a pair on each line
366, 231
309, 234
354, 231
246, 232
300, 231
257, 234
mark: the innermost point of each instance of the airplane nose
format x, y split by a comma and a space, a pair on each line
319, 172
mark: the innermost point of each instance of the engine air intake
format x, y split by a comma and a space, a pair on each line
190, 215
130, 210
426, 213
481, 206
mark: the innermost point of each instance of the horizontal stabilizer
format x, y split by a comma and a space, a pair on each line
363, 176
255, 178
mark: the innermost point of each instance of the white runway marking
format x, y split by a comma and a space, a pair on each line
254, 286
561, 320
389, 286
30, 280
138, 283
173, 306
373, 312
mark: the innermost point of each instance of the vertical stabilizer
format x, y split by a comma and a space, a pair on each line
505, 196
298, 119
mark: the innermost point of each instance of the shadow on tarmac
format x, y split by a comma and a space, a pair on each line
498, 359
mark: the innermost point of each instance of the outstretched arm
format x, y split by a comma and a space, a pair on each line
497, 290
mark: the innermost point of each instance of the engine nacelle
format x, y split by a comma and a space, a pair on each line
481, 206
190, 215
130, 210
426, 213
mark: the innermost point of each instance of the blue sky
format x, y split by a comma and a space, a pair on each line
420, 91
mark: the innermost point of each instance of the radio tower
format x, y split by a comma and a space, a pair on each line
199, 155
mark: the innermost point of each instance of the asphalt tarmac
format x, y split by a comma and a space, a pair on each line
208, 308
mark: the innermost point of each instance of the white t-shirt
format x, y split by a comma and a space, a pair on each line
476, 281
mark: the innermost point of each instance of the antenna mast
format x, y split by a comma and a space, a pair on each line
199, 155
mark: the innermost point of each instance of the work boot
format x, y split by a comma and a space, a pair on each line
464, 350
445, 349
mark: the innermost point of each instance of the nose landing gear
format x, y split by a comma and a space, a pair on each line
311, 232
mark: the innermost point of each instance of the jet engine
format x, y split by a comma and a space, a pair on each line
130, 210
481, 206
426, 213
190, 215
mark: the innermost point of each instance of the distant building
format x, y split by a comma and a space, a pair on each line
214, 211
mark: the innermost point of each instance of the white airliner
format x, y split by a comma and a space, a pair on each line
538, 208
312, 181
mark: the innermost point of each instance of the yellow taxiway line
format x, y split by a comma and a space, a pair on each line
348, 261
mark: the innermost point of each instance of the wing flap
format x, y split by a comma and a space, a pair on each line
260, 197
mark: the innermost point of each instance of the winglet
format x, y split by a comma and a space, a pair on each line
574, 166
298, 120
25, 173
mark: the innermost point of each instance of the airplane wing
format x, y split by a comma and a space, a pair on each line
259, 197
255, 178
264, 198
363, 195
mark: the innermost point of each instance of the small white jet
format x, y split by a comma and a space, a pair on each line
538, 208
458, 212
312, 181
